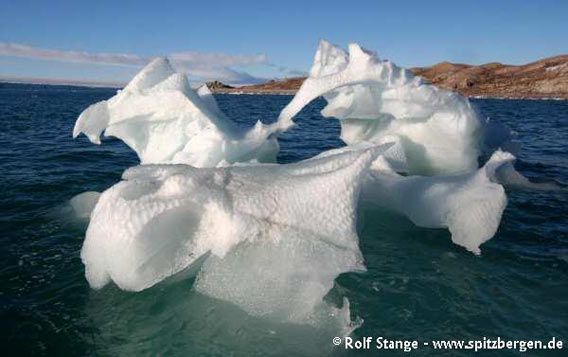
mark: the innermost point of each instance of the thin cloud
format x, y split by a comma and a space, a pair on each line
19, 50
219, 59
289, 72
296, 73
199, 66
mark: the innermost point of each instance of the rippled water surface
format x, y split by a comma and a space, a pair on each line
418, 285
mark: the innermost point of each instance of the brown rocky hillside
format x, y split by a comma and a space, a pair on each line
546, 78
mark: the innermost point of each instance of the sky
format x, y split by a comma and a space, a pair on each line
245, 41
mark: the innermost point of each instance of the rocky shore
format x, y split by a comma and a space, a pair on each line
546, 78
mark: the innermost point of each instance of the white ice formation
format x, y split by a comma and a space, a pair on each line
470, 205
269, 238
273, 238
435, 131
163, 120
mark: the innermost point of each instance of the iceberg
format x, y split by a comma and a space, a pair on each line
268, 238
164, 121
435, 131
207, 202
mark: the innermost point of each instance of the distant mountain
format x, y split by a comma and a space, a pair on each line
284, 86
547, 78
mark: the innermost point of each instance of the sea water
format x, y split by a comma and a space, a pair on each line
419, 286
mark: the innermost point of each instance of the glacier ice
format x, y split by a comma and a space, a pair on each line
269, 238
470, 205
509, 177
83, 204
163, 120
435, 131
436, 137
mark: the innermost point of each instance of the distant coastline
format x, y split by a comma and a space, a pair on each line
238, 92
60, 82
543, 79
546, 79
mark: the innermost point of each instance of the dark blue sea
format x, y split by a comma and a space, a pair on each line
419, 285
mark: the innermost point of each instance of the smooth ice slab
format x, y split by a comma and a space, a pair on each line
163, 120
435, 131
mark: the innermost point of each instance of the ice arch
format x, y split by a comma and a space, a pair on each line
435, 131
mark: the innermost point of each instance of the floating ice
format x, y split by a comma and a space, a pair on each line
163, 120
470, 205
83, 204
271, 238
435, 131
509, 177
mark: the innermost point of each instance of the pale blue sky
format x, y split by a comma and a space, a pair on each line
264, 39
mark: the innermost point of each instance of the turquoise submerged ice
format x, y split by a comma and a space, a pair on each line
271, 238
